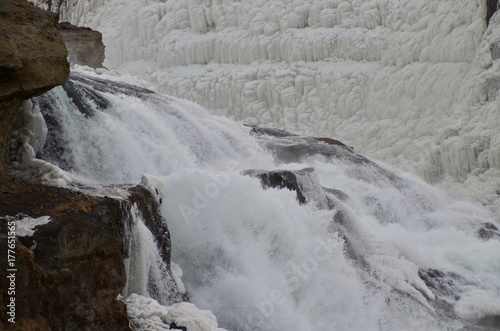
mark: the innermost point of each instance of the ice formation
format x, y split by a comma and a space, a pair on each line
148, 314
28, 140
412, 83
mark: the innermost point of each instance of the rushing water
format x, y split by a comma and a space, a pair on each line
358, 255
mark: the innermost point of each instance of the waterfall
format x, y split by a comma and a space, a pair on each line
385, 252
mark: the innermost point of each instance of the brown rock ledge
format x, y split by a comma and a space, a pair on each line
71, 270
32, 61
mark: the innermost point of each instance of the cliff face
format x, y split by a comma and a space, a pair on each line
64, 274
70, 270
32, 61
84, 45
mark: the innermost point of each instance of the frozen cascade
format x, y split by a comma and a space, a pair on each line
390, 253
412, 83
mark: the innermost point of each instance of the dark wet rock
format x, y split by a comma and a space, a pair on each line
295, 180
491, 8
54, 150
441, 283
488, 231
288, 147
73, 266
493, 82
107, 86
280, 179
270, 132
80, 95
445, 286
331, 141
86, 93
71, 269
154, 221
149, 208
173, 326
489, 323
85, 46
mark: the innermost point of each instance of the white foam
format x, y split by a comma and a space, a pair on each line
177, 274
155, 185
477, 304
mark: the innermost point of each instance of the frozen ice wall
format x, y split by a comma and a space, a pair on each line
404, 81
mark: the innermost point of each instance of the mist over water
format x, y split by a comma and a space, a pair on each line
257, 258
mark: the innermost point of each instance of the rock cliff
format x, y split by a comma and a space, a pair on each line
69, 270
70, 267
32, 61
84, 45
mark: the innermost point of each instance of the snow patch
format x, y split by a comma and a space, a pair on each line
25, 227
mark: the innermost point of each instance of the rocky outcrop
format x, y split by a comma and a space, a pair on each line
331, 141
70, 270
487, 231
284, 179
291, 148
154, 221
84, 45
32, 61
444, 286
